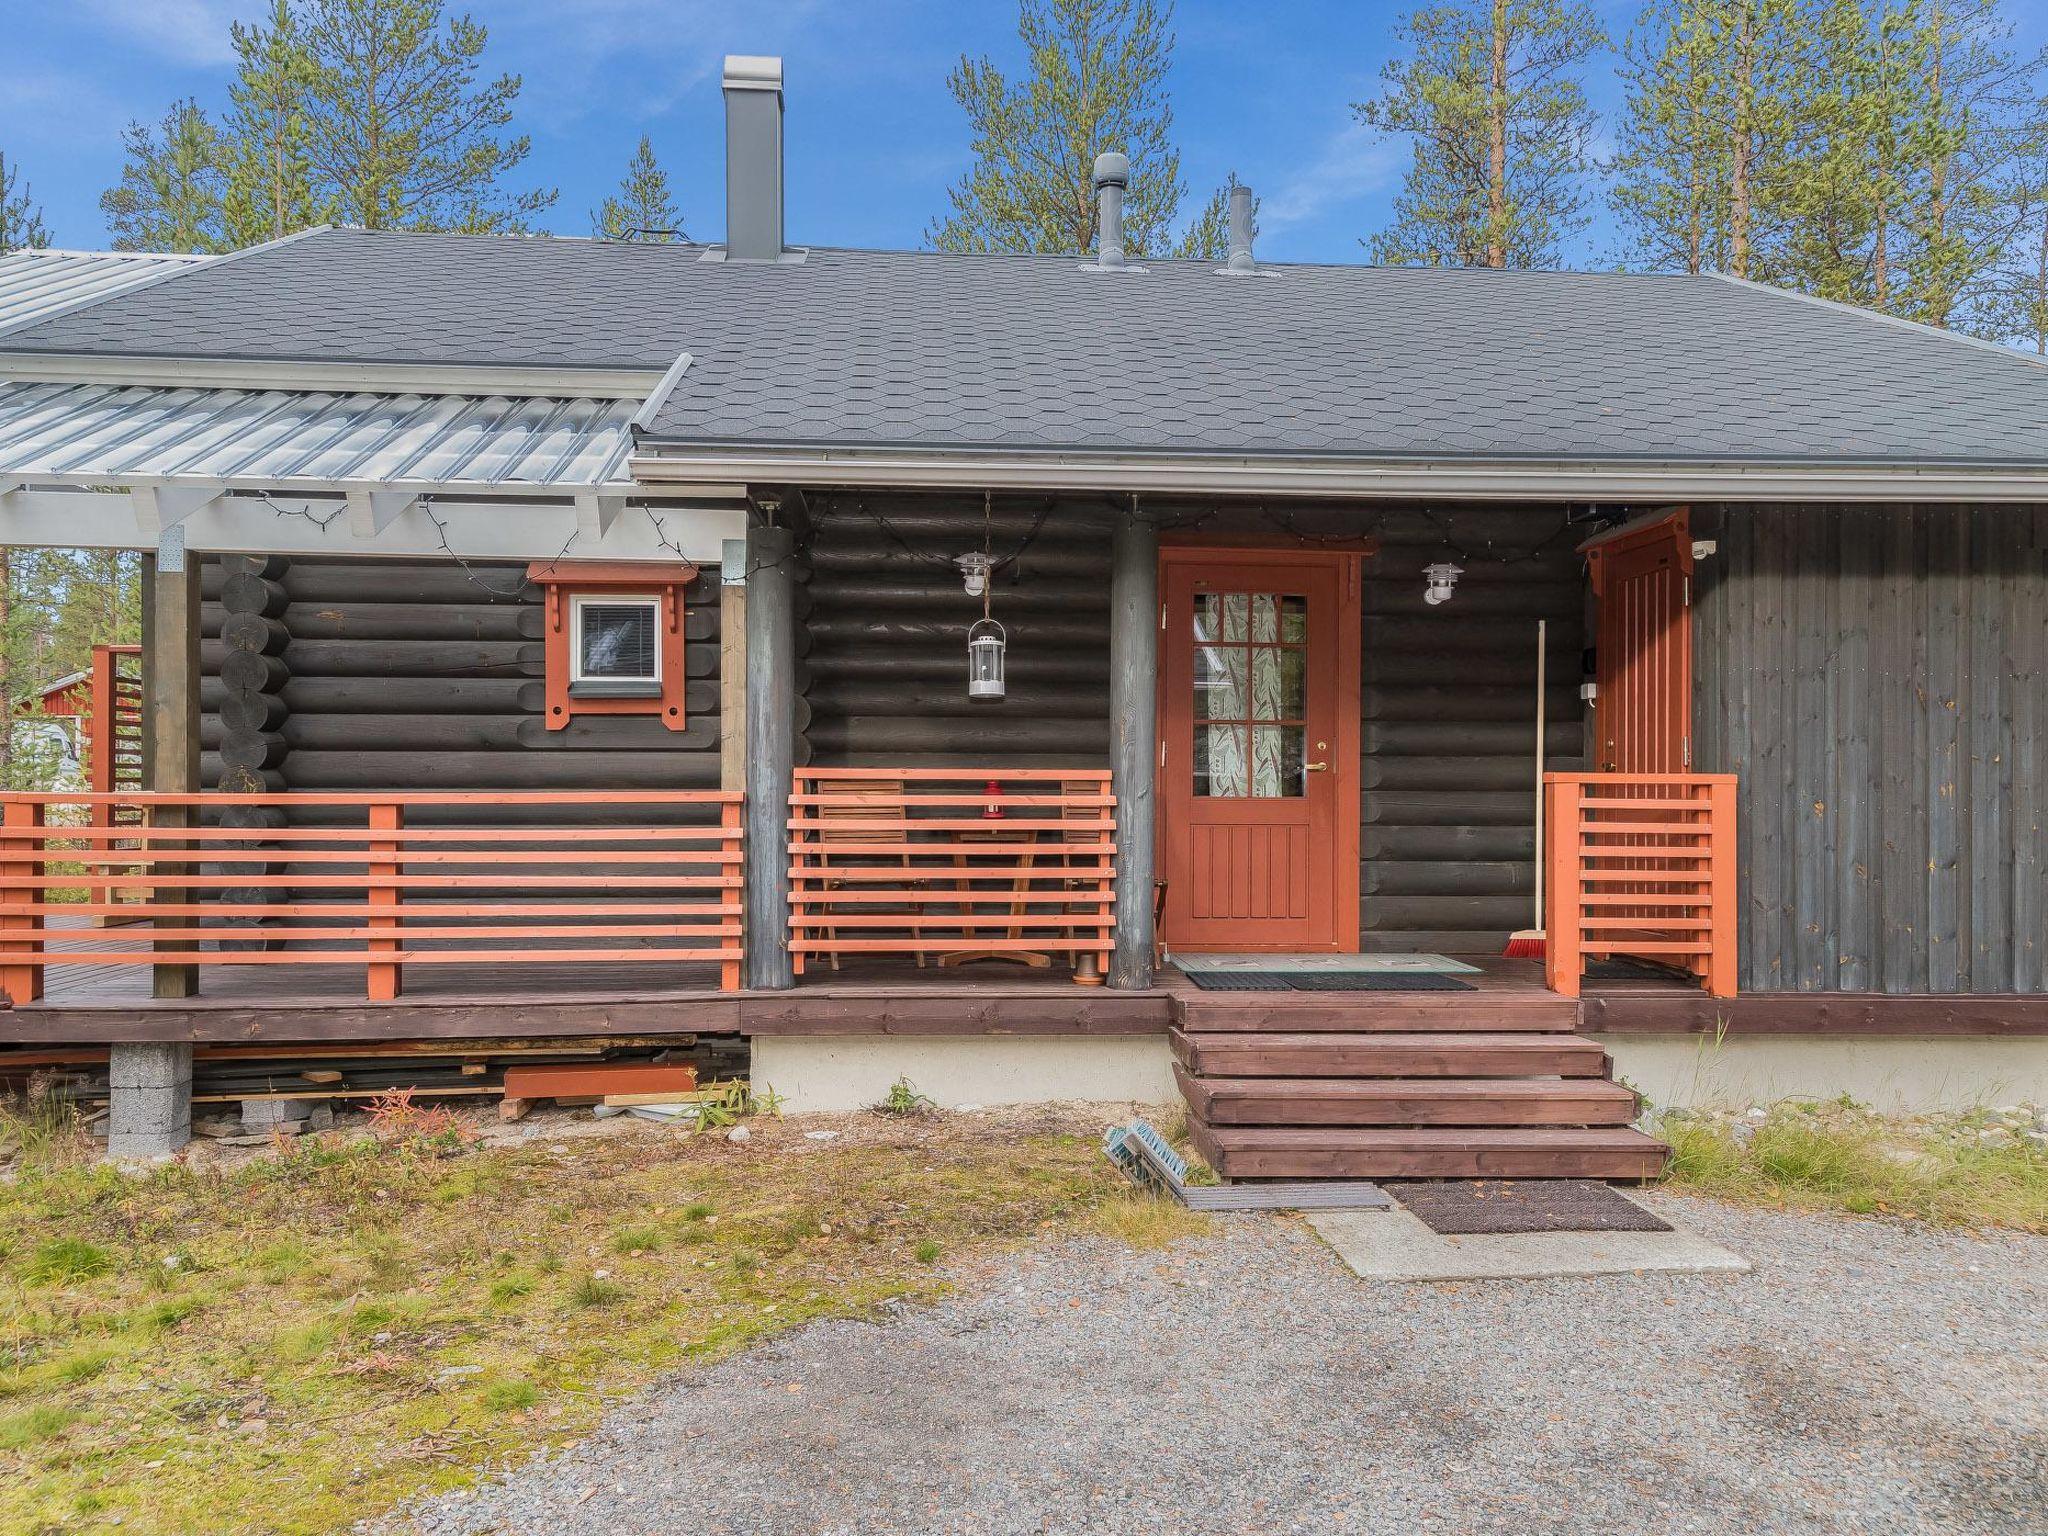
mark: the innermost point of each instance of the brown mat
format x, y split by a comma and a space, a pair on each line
1472, 1207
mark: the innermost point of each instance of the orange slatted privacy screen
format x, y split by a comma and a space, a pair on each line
911, 861
380, 882
1641, 865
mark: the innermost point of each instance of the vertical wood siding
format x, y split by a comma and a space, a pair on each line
1876, 676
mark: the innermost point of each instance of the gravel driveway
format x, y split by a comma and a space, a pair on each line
1864, 1378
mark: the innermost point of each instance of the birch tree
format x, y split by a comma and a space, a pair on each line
1491, 98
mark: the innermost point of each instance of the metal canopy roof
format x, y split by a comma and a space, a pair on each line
37, 284
95, 434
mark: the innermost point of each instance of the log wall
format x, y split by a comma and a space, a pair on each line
1447, 779
338, 674
1878, 676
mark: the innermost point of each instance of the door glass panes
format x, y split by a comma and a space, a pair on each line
1251, 695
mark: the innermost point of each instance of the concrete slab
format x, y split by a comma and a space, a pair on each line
1396, 1245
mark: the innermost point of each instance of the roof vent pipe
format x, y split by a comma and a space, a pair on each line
1240, 229
1112, 175
753, 158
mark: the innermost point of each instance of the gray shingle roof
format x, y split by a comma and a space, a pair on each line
863, 348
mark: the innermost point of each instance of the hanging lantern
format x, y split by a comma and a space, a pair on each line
985, 643
992, 807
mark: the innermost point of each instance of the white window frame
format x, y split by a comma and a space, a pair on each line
577, 600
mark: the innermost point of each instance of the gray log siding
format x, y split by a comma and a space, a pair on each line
1876, 675
886, 635
1447, 779
417, 675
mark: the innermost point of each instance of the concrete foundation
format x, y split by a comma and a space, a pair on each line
1888, 1073
149, 1109
839, 1072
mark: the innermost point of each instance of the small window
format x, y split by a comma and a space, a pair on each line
615, 640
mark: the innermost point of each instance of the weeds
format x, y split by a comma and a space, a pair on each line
1841, 1156
595, 1291
62, 1260
903, 1099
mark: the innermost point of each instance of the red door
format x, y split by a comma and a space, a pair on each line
1258, 786
1642, 711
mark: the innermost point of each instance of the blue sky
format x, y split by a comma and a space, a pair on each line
874, 140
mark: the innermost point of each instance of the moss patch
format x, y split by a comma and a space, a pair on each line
318, 1335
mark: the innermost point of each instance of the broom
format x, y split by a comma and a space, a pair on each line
1528, 944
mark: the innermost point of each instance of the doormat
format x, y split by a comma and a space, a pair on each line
1326, 981
1470, 1207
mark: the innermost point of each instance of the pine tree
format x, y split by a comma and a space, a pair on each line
645, 209
1670, 171
1207, 237
399, 131
169, 198
1970, 136
21, 216
1490, 97
269, 191
1715, 93
1097, 82
1834, 191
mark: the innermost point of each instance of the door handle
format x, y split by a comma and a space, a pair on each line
1315, 767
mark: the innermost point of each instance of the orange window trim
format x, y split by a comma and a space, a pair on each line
561, 581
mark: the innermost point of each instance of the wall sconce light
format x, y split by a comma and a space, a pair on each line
1442, 577
974, 570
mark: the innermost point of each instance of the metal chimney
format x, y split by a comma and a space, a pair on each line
753, 158
1240, 259
1112, 175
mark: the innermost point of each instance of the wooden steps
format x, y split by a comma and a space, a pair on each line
1390, 1055
1372, 1012
1405, 1101
1345, 1152
1492, 1083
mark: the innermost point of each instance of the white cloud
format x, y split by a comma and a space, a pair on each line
1353, 162
189, 31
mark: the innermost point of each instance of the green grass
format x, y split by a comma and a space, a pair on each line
61, 1260
1839, 1156
399, 1316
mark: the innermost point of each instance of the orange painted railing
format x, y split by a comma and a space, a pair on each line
1640, 865
113, 735
953, 865
381, 881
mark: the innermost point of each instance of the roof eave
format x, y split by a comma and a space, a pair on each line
1289, 475
302, 375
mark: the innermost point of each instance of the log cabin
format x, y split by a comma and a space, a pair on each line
1403, 711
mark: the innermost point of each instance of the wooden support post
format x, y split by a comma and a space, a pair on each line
732, 666
1723, 963
1134, 741
170, 686
382, 895
21, 857
1563, 933
771, 751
